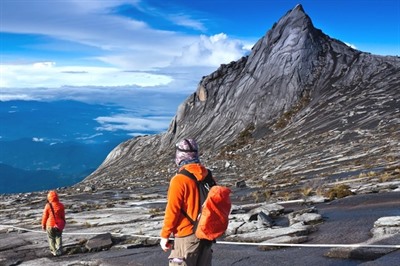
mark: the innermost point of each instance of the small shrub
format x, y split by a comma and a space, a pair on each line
320, 191
264, 184
362, 175
285, 195
306, 191
339, 191
243, 138
156, 211
371, 174
286, 117
268, 194
390, 158
255, 196
246, 134
87, 224
83, 241
384, 177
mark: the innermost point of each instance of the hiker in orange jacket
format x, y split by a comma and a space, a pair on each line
183, 197
53, 222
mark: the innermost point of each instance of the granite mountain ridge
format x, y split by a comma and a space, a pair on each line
301, 105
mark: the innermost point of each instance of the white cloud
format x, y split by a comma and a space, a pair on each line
43, 65
37, 139
184, 20
183, 74
211, 51
118, 40
47, 74
90, 137
158, 100
95, 26
13, 95
129, 123
106, 57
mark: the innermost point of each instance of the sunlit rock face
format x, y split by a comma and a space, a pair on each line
300, 105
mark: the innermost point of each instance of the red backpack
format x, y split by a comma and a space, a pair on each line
213, 218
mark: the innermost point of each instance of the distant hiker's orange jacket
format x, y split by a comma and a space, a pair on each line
56, 220
182, 194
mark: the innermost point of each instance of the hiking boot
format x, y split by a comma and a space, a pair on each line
54, 253
58, 253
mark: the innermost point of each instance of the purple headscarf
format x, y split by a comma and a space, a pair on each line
187, 151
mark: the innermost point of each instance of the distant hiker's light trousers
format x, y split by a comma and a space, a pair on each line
190, 251
54, 235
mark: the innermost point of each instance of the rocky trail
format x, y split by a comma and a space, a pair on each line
121, 227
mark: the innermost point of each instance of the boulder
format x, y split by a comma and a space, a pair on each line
270, 233
386, 226
265, 220
295, 217
386, 232
307, 218
99, 242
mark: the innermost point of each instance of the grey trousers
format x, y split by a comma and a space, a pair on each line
190, 251
54, 237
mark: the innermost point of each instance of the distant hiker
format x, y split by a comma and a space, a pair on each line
53, 222
183, 207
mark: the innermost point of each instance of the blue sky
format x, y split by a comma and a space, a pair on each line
112, 50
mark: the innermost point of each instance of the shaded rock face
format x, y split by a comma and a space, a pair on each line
300, 105
282, 68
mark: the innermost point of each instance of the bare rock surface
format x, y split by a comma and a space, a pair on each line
99, 242
301, 106
121, 228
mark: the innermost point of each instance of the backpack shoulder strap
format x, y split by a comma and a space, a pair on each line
188, 174
208, 180
207, 183
52, 210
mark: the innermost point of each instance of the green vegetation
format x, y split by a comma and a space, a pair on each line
245, 137
284, 120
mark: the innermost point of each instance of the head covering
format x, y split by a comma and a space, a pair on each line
187, 151
52, 196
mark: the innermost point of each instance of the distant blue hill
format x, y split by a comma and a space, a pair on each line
13, 180
45, 145
58, 121
66, 158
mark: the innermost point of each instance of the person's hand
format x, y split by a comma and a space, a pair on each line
43, 228
164, 244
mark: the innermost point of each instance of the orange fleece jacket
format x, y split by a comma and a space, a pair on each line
183, 194
48, 219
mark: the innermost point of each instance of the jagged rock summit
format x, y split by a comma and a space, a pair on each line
300, 104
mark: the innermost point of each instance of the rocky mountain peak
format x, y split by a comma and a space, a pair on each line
294, 25
299, 105
283, 67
